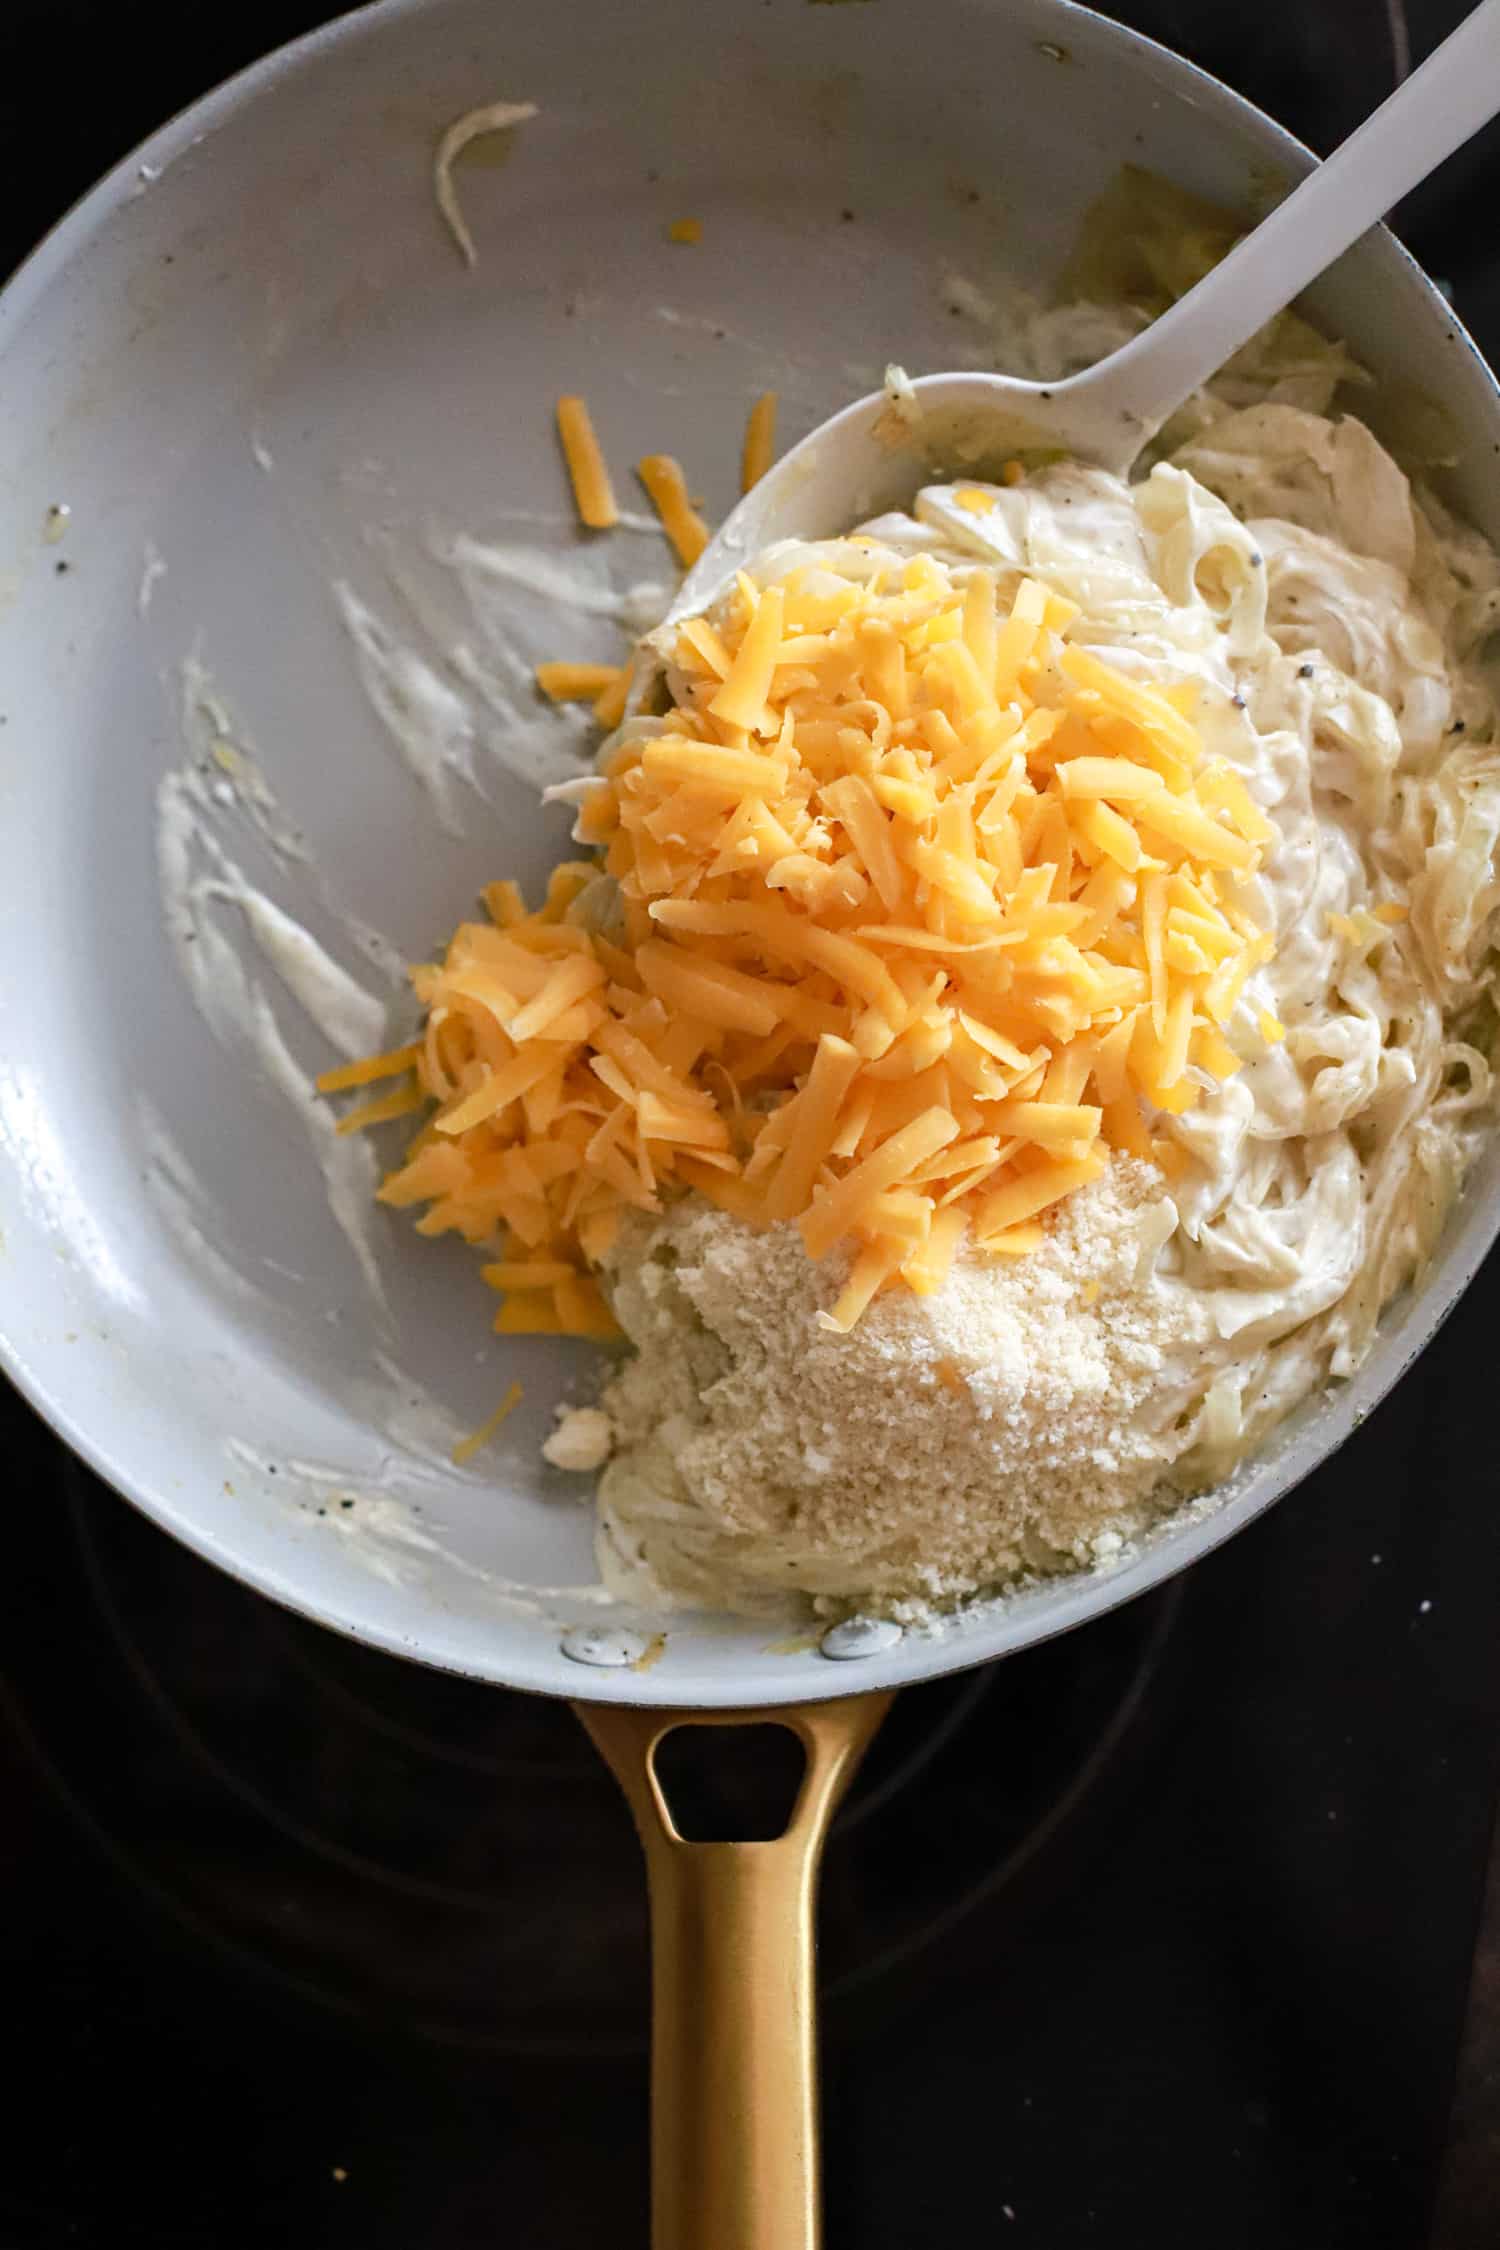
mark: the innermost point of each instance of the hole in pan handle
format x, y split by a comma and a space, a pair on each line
734, 2112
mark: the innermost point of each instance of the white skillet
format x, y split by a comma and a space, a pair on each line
251, 363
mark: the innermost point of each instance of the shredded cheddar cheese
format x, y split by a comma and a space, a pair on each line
685, 230
475, 1442
609, 707
668, 492
922, 909
760, 440
562, 682
400, 1103
369, 1072
593, 493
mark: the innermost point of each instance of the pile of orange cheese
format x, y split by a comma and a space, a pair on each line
922, 910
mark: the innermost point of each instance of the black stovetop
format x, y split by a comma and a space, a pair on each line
1162, 1935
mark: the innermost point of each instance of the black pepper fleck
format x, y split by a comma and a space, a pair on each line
1257, 560
1304, 671
62, 568
1457, 727
1238, 701
847, 217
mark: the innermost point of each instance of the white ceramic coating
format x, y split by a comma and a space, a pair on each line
249, 349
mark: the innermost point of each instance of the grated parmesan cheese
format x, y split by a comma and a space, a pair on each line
1021, 1419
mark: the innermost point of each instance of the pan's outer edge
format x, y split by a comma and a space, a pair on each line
995, 1630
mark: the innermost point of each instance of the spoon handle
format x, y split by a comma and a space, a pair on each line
1438, 108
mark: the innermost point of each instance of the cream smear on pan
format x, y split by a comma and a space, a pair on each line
448, 671
444, 636
250, 965
446, 645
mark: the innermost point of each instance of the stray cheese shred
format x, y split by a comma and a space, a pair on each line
668, 492
903, 915
760, 440
476, 1441
493, 117
593, 494
564, 682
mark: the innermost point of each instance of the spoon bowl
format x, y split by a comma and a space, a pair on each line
876, 455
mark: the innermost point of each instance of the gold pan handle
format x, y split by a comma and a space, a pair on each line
734, 2118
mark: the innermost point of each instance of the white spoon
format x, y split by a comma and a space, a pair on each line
866, 460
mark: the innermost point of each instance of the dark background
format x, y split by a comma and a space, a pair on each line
1161, 1937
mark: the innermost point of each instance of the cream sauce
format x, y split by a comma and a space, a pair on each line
235, 945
